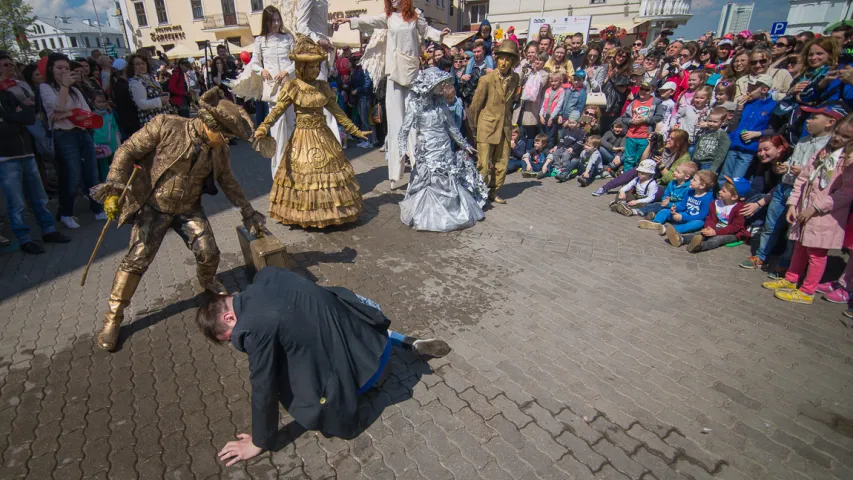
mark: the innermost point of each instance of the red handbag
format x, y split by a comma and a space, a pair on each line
86, 119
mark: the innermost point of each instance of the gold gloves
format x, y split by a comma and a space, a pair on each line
111, 207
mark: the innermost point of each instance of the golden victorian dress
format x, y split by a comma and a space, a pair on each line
315, 184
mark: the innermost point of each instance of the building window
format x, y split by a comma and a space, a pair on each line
52, 44
237, 41
73, 41
257, 5
61, 43
141, 18
198, 10
86, 41
478, 13
160, 7
98, 40
597, 2
118, 42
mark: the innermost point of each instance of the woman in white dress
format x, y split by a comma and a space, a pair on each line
271, 60
406, 31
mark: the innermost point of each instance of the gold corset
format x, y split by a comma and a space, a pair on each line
310, 118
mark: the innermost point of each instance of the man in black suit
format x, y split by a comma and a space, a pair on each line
312, 349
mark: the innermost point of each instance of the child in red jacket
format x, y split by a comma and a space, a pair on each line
725, 222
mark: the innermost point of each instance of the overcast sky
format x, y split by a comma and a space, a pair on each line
706, 16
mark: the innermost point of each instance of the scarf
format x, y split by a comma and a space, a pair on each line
824, 167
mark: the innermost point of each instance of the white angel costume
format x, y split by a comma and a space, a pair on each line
401, 66
445, 191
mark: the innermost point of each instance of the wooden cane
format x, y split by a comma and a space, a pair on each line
136, 168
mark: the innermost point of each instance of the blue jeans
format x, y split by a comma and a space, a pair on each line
634, 148
364, 116
736, 164
606, 156
664, 216
551, 132
514, 165
75, 151
774, 222
653, 207
20, 178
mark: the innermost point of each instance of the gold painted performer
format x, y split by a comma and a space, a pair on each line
315, 184
491, 112
178, 159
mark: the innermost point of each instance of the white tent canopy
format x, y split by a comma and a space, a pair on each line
181, 50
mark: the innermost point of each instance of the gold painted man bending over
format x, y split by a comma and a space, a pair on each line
179, 159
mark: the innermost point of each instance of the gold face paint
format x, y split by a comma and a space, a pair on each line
504, 64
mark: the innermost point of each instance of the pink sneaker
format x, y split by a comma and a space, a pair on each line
829, 287
839, 295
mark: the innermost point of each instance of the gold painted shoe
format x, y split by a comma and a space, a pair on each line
795, 296
779, 284
498, 199
213, 286
124, 286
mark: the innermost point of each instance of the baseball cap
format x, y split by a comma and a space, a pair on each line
646, 86
119, 64
763, 79
580, 74
729, 36
725, 41
647, 166
730, 106
834, 109
742, 185
668, 86
638, 71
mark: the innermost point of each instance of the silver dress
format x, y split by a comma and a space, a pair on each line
445, 190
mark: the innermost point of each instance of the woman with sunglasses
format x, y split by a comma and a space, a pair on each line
784, 46
636, 47
687, 57
759, 64
596, 73
708, 56
615, 87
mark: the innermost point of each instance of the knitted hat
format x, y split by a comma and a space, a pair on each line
575, 115
224, 116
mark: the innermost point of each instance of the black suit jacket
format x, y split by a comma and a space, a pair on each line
310, 348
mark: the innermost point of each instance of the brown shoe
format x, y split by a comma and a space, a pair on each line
673, 236
124, 285
695, 245
648, 225
649, 216
498, 199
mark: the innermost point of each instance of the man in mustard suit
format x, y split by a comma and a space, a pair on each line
491, 112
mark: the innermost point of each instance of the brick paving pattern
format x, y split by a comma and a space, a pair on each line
583, 348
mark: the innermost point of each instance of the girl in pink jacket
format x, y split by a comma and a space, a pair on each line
818, 208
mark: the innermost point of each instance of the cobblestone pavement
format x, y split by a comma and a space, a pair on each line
583, 348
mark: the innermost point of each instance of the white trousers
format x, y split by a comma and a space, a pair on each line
395, 109
281, 132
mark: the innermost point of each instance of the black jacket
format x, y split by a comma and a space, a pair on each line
14, 117
128, 116
310, 348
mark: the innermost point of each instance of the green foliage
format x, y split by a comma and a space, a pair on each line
15, 20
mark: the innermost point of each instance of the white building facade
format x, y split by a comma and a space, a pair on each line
816, 15
75, 38
735, 18
644, 18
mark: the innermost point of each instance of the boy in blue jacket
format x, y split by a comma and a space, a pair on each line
675, 191
754, 123
689, 214
574, 97
518, 147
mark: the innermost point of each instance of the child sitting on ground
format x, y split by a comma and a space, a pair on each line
712, 143
612, 146
569, 148
591, 158
518, 147
689, 214
535, 159
725, 222
643, 189
674, 192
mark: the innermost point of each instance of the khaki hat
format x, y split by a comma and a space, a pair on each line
763, 79
508, 48
227, 117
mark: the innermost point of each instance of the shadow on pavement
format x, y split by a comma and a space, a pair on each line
512, 190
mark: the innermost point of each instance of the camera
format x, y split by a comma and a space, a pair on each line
846, 56
666, 33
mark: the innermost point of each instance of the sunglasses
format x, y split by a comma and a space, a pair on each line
780, 45
758, 62
589, 113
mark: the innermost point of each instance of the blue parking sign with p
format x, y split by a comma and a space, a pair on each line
778, 28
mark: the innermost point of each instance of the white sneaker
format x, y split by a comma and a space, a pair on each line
364, 144
101, 216
69, 222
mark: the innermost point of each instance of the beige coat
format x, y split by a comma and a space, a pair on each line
491, 107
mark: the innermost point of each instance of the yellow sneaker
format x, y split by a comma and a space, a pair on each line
779, 284
795, 296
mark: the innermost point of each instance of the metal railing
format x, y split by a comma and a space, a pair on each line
225, 20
